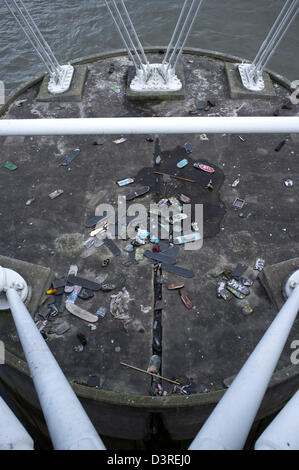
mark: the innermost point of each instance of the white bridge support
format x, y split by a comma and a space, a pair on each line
228, 426
13, 435
150, 125
68, 424
252, 74
60, 75
283, 432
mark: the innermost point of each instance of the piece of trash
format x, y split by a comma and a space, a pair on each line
204, 137
150, 373
149, 139
165, 175
235, 292
137, 193
185, 300
221, 289
191, 237
176, 286
241, 138
70, 157
107, 287
98, 142
120, 141
103, 228
184, 199
206, 168
195, 227
73, 271
289, 183
158, 160
239, 203
280, 145
10, 166
78, 348
105, 262
154, 364
235, 183
74, 294
119, 306
182, 163
30, 201
101, 312
129, 248
188, 147
210, 186
125, 182
20, 103
53, 311
60, 328
238, 286
159, 305
116, 89
86, 294
139, 254
51, 291
80, 313
56, 193
111, 68
259, 264
95, 220
247, 310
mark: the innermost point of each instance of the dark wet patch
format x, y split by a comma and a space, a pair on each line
213, 207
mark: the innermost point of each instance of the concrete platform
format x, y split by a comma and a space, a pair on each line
237, 90
73, 94
211, 341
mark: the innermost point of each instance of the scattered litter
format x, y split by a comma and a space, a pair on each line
235, 292
105, 262
154, 364
188, 147
241, 138
20, 103
239, 203
74, 294
175, 286
116, 89
70, 157
247, 310
182, 163
73, 271
210, 186
139, 254
56, 193
289, 183
78, 348
137, 193
280, 145
60, 328
125, 182
149, 139
185, 300
86, 294
120, 141
206, 168
235, 183
221, 289
158, 160
30, 201
191, 237
107, 287
98, 142
80, 313
101, 312
119, 306
173, 176
259, 264
92, 327
203, 137
184, 199
10, 166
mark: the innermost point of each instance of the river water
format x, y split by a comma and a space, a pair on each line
76, 28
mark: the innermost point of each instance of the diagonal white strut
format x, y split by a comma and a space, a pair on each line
60, 75
251, 74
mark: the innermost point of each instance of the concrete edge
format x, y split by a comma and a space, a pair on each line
122, 399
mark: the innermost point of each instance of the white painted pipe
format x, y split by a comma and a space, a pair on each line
13, 435
283, 432
229, 424
68, 424
150, 125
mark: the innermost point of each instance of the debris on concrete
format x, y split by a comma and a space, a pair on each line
101, 312
119, 306
280, 145
182, 163
10, 166
239, 203
70, 157
120, 141
289, 183
259, 264
56, 193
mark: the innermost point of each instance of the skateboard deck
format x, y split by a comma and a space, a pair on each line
80, 313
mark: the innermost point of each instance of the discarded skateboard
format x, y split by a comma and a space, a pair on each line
85, 283
160, 257
137, 193
177, 270
206, 168
80, 313
94, 220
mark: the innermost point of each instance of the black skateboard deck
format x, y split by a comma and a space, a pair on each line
177, 270
137, 193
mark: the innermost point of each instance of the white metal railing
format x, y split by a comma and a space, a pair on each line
150, 125
283, 432
13, 435
228, 426
69, 426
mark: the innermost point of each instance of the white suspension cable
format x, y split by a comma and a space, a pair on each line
288, 18
122, 26
60, 75
134, 32
175, 32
